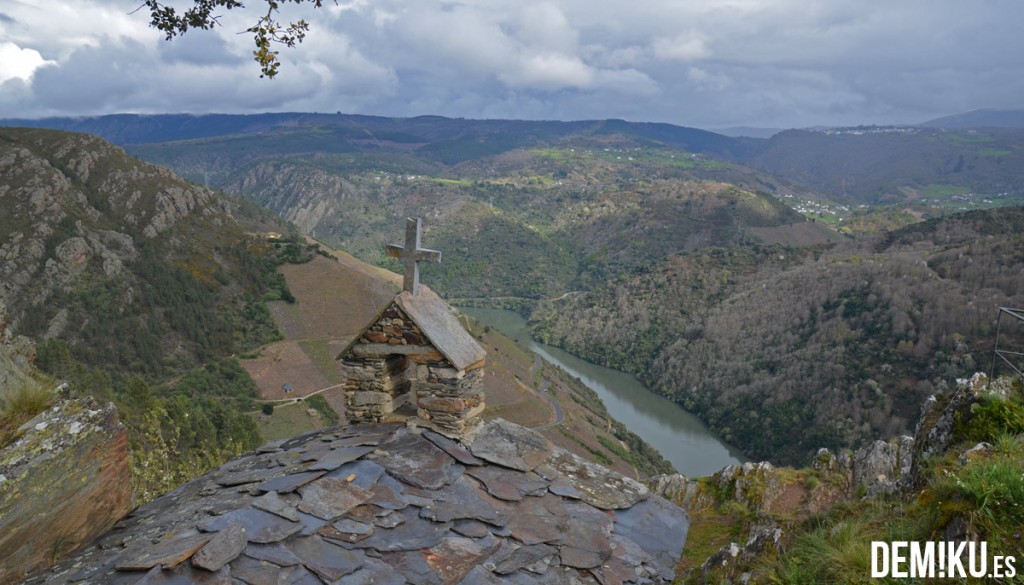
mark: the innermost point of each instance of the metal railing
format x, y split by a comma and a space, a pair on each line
1005, 354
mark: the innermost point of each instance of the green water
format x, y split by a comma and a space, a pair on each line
680, 436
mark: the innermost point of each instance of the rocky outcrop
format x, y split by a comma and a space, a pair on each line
64, 481
939, 416
881, 465
684, 492
878, 468
729, 560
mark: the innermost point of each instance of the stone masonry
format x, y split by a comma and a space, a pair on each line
394, 362
449, 400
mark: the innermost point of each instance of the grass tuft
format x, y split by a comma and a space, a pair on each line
19, 402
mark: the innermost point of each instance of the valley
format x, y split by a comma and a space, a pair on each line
212, 325
673, 253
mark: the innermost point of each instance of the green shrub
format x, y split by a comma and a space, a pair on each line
990, 418
267, 408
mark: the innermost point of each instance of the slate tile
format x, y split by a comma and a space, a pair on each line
374, 572
255, 572
365, 513
184, 574
596, 485
347, 531
537, 520
414, 567
587, 529
457, 451
92, 569
628, 551
419, 497
303, 440
614, 572
455, 471
288, 459
222, 548
510, 445
358, 441
659, 528
560, 487
388, 494
242, 462
302, 576
247, 476
315, 452
331, 497
579, 558
226, 500
273, 553
413, 534
349, 526
455, 556
260, 527
507, 485
366, 473
512, 560
338, 457
463, 500
480, 576
275, 504
310, 524
289, 483
390, 519
167, 553
470, 527
329, 561
271, 447
554, 576
379, 430
416, 461
547, 472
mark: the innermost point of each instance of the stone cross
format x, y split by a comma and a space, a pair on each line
411, 255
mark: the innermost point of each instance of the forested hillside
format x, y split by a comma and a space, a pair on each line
898, 165
128, 277
785, 351
526, 223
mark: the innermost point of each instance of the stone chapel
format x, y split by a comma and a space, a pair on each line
416, 353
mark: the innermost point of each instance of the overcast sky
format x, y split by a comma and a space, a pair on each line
702, 63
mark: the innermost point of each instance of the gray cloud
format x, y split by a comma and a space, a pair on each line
700, 63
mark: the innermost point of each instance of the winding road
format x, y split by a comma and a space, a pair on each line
544, 383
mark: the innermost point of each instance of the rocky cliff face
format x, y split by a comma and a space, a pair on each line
303, 195
16, 355
78, 208
62, 483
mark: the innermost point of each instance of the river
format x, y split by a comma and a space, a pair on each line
680, 436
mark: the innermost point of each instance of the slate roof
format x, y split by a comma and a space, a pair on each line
386, 504
434, 317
